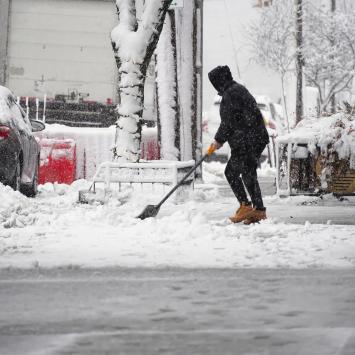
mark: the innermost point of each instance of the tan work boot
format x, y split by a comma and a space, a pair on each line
241, 213
255, 216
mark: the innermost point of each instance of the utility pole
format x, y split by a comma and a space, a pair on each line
4, 38
332, 100
333, 5
299, 60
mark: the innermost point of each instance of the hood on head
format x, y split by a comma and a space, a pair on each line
220, 77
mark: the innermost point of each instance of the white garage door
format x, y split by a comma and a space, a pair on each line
62, 46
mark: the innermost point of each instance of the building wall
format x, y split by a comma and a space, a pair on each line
61, 47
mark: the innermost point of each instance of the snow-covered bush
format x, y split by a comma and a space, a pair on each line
323, 151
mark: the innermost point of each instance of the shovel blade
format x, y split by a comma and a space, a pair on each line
84, 196
90, 197
149, 211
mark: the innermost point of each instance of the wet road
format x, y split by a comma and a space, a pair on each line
118, 311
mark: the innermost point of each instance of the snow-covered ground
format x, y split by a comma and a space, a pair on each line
54, 230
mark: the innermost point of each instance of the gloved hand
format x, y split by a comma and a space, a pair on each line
213, 147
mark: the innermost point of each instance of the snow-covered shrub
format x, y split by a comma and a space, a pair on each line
330, 153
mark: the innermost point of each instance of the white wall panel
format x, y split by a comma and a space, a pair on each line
56, 46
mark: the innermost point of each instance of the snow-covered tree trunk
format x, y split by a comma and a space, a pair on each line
167, 91
133, 44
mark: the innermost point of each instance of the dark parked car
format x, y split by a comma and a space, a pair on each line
19, 149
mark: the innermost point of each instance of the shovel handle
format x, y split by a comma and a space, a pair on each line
183, 180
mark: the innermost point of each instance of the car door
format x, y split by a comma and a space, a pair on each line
33, 144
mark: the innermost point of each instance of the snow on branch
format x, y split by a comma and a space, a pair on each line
272, 39
328, 51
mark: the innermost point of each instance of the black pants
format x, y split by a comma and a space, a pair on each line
242, 169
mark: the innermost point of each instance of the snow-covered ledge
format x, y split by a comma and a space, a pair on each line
153, 171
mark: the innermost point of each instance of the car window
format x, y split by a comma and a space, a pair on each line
19, 116
24, 116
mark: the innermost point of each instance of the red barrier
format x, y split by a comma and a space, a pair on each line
150, 150
58, 161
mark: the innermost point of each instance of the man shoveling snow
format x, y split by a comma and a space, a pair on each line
242, 126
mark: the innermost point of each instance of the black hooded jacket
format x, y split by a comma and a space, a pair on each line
242, 124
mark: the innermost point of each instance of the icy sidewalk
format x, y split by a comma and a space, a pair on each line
53, 230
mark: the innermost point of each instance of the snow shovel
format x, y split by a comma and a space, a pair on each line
91, 195
153, 210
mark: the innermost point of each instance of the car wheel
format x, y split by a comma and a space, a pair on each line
16, 182
31, 191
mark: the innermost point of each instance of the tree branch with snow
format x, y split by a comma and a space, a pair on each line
328, 51
271, 39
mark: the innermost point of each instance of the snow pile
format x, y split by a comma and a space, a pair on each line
57, 149
213, 172
14, 209
335, 132
266, 170
54, 230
